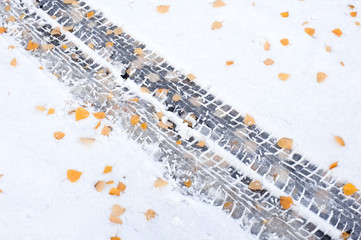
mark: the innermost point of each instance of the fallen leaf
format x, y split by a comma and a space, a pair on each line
349, 189
328, 49
110, 182
99, 115
7, 8
178, 142
114, 191
32, 46
108, 32
73, 175
134, 119
176, 97
248, 120
47, 46
342, 64
68, 28
109, 44
337, 32
121, 187
163, 8
340, 141
321, 76
201, 144
3, 30
40, 108
188, 183
159, 115
357, 23
115, 238
216, 25
115, 219
284, 41
118, 31
11, 19
345, 236
90, 14
70, 2
64, 46
51, 111
283, 76
55, 31
138, 51
99, 186
191, 77
333, 165
105, 131
255, 185
108, 169
351, 6
81, 113
144, 126
91, 46
1, 190
266, 46
59, 135
268, 62
284, 14
98, 124
117, 210
310, 31
160, 183
285, 143
149, 214
87, 140
228, 63
144, 90
286, 202
353, 14
218, 3
13, 62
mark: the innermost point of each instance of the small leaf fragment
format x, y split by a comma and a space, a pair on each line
328, 48
286, 202
268, 62
337, 32
59, 135
87, 140
349, 189
73, 175
310, 31
115, 238
191, 77
353, 14
32, 46
81, 113
109, 44
333, 165
284, 14
228, 63
134, 120
218, 3
149, 214
99, 115
340, 141
160, 183
51, 111
13, 62
284, 41
47, 46
11, 19
68, 28
255, 185
99, 186
91, 46
90, 14
144, 126
107, 169
266, 46
138, 51
121, 187
345, 236
285, 143
115, 219
201, 144
176, 97
117, 210
188, 183
321, 76
216, 25
114, 191
283, 76
105, 131
40, 108
163, 9
55, 31
3, 30
98, 124
248, 120
117, 31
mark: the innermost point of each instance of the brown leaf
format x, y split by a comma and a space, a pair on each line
48, 46
55, 31
68, 28
13, 62
321, 76
163, 8
340, 141
255, 185
268, 62
218, 3
191, 77
117, 31
176, 97
117, 210
149, 214
216, 25
286, 202
160, 183
285, 143
99, 186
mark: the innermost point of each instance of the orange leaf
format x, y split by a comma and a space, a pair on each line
321, 76
310, 31
40, 108
285, 143
201, 144
73, 175
216, 25
51, 111
134, 119
333, 165
110, 182
283, 76
117, 210
143, 126
228, 63
160, 183
340, 141
105, 131
13, 62
328, 49
337, 32
163, 8
99, 115
118, 31
150, 214
268, 62
59, 135
109, 44
345, 235
191, 77
2, 30
31, 46
115, 238
121, 187
98, 124
255, 185
87, 140
115, 219
353, 14
108, 169
7, 8
178, 142
284, 41
349, 189
248, 120
114, 191
218, 3
99, 186
284, 14
286, 202
176, 97
266, 46
138, 51
81, 113
188, 183
90, 14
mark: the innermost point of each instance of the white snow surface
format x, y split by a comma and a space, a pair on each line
38, 202
300, 108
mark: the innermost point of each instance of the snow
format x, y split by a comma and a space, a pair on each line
300, 108
38, 202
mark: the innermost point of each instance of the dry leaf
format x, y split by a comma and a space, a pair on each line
349, 189
115, 219
144, 126
149, 214
310, 31
218, 3
73, 175
285, 143
191, 77
216, 25
99, 115
248, 120
118, 31
13, 62
98, 124
333, 165
70, 2
115, 238
81, 113
51, 111
340, 141
3, 30
255, 185
353, 14
68, 28
48, 46
357, 23
337, 32
283, 76
99, 186
160, 183
134, 120
138, 51
109, 44
90, 14
55, 31
284, 14
178, 142
108, 169
345, 236
159, 115
328, 48
105, 131
121, 187
114, 191
176, 97
266, 46
188, 183
11, 47
108, 32
87, 140
342, 64
110, 182
286, 202
321, 76
7, 8
64, 46
268, 62
91, 46
32, 46
144, 90
228, 63
201, 144
11, 19
59, 135
163, 8
40, 108
284, 41
117, 210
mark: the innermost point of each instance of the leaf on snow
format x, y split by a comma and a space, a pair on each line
337, 32
90, 14
310, 31
32, 46
255, 185
138, 51
149, 214
51, 111
99, 115
106, 130
266, 46
284, 41
59, 135
134, 119
268, 62
117, 210
349, 189
321, 76
108, 169
216, 25
81, 113
99, 185
160, 183
40, 108
285, 143
73, 175
188, 183
121, 187
228, 63
218, 3
115, 219
163, 8
114, 191
283, 76
286, 202
144, 126
115, 238
333, 165
340, 141
248, 120
284, 14
13, 62
191, 77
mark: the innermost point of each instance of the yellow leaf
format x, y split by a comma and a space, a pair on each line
98, 124
149, 214
73, 175
349, 189
353, 14
40, 108
216, 25
3, 30
284, 14
48, 46
285, 143
105, 131
218, 3
268, 62
255, 185
99, 115
64, 46
337, 32
115, 238
59, 135
284, 41
191, 77
286, 202
32, 46
138, 51
117, 210
310, 31
121, 187
114, 191
134, 119
108, 169
321, 76
99, 186
115, 219
283, 76
160, 183
228, 63
163, 8
201, 144
90, 14
143, 126
81, 113
248, 120
51, 111
188, 183
333, 165
13, 62
340, 141
266, 46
